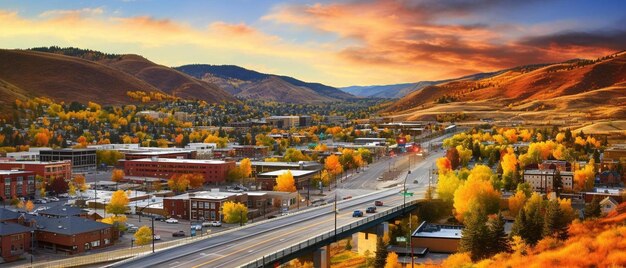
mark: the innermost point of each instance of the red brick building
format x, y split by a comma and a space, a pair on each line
214, 171
14, 183
48, 170
161, 154
71, 234
250, 151
199, 206
15, 238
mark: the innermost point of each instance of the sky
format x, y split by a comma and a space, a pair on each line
339, 43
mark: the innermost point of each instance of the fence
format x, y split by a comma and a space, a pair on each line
278, 255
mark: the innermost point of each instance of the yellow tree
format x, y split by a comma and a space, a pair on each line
447, 184
443, 165
117, 175
332, 165
234, 212
178, 183
516, 203
285, 182
392, 261
143, 236
118, 203
29, 206
246, 167
584, 178
476, 191
195, 180
464, 155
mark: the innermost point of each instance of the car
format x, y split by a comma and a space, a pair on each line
371, 210
133, 229
216, 223
40, 201
178, 234
64, 195
357, 213
54, 199
285, 214
347, 197
171, 220
380, 178
415, 181
156, 237
378, 203
159, 218
197, 227
130, 225
271, 216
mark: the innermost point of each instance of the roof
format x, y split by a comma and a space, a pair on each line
9, 228
71, 225
37, 162
11, 172
609, 199
70, 150
204, 195
64, 211
438, 231
158, 152
295, 173
176, 160
285, 164
6, 214
546, 172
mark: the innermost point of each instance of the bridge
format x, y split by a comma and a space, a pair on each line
275, 241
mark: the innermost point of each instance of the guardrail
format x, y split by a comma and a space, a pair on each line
268, 259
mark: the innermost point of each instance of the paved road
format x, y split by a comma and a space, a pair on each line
239, 247
245, 245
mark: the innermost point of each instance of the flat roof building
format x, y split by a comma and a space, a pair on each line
47, 170
14, 183
302, 178
437, 237
82, 159
542, 180
214, 171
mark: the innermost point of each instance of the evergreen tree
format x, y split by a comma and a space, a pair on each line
568, 135
381, 253
475, 236
555, 223
592, 210
557, 182
498, 239
476, 151
529, 224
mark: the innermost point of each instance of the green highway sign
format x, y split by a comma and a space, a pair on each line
406, 193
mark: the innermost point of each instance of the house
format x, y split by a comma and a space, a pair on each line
607, 205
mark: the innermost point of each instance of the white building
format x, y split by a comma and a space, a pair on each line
541, 180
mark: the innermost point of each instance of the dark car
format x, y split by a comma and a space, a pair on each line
378, 203
178, 234
159, 218
357, 213
371, 210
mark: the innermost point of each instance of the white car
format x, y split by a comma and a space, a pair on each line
171, 220
156, 237
212, 224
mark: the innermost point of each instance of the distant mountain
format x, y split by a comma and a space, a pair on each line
246, 83
583, 88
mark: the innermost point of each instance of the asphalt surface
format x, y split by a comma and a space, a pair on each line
247, 244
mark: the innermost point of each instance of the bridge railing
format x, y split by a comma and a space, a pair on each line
278, 255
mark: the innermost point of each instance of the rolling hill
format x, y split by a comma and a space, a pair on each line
25, 74
582, 88
246, 83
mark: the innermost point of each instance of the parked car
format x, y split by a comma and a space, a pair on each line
178, 234
40, 201
53, 199
212, 224
159, 218
133, 229
197, 227
64, 195
129, 225
378, 203
415, 181
171, 220
357, 213
371, 210
156, 237
271, 216
285, 214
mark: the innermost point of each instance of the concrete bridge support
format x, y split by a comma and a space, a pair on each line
321, 257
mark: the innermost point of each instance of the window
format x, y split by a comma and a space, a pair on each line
212, 205
212, 215
107, 241
7, 187
193, 204
95, 243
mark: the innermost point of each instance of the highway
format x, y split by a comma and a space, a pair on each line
232, 249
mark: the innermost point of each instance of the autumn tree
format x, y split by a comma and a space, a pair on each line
516, 202
195, 180
392, 261
29, 206
143, 236
443, 165
295, 155
57, 186
234, 211
584, 178
117, 175
118, 203
530, 221
453, 156
332, 165
465, 155
178, 183
476, 191
285, 182
475, 235
246, 168
447, 184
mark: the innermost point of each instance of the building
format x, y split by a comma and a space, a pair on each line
437, 237
262, 167
267, 180
374, 141
24, 156
47, 170
70, 234
115, 146
15, 183
81, 159
201, 147
335, 119
305, 120
541, 180
15, 240
607, 205
602, 193
283, 122
151, 114
250, 151
188, 154
63, 212
214, 171
200, 206
561, 165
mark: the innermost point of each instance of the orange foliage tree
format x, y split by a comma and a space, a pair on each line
476, 191
178, 183
332, 165
584, 178
117, 175
285, 182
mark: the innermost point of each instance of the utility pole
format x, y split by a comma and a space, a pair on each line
153, 234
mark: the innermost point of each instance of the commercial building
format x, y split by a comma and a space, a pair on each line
47, 170
335, 119
267, 180
70, 234
24, 156
283, 122
214, 171
262, 167
437, 237
14, 183
305, 121
15, 240
542, 180
82, 159
187, 154
250, 151
200, 206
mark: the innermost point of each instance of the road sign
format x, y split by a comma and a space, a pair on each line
406, 193
400, 239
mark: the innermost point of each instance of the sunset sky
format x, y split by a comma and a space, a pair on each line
339, 43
